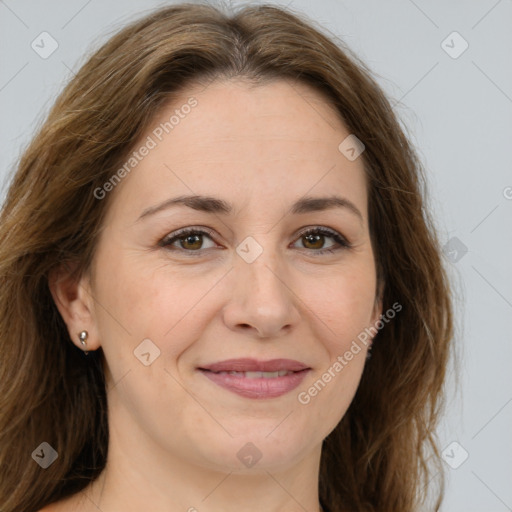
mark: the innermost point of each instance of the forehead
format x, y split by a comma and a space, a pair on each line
267, 144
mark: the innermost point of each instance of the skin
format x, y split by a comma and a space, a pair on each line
175, 435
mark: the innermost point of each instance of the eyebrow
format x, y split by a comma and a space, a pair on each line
218, 206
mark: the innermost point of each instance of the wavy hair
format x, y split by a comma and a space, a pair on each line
379, 456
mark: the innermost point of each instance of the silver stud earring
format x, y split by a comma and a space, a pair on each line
83, 338
369, 352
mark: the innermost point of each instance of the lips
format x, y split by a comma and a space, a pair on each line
256, 379
252, 365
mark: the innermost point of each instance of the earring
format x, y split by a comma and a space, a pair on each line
83, 337
369, 352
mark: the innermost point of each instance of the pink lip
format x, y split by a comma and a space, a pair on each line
258, 387
253, 365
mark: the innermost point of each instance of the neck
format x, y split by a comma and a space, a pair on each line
140, 475
197, 490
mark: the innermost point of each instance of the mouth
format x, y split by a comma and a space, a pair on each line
255, 375
256, 379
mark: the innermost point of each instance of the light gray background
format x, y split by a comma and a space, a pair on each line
458, 112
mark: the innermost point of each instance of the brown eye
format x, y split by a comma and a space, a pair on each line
187, 240
314, 240
191, 242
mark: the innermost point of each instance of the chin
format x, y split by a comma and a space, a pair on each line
258, 448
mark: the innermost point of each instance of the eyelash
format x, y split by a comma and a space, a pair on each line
342, 242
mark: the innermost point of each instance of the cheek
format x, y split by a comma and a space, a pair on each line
343, 302
152, 300
343, 311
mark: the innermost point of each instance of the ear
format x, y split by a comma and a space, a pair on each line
74, 300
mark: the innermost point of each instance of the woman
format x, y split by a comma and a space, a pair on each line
220, 286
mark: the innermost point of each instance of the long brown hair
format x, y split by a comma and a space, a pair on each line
378, 457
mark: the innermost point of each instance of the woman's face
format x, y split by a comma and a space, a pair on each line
248, 282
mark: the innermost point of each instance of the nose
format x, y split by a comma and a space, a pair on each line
262, 301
